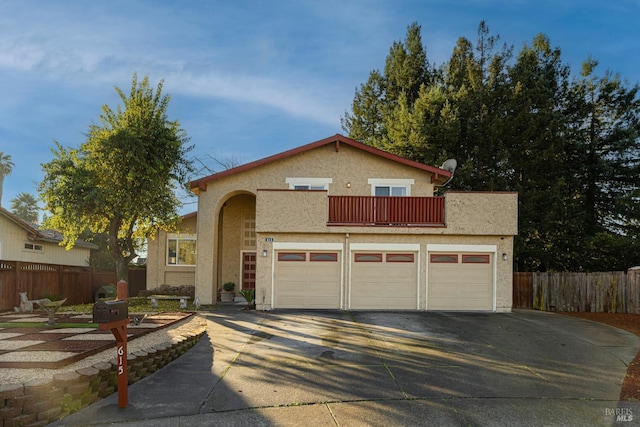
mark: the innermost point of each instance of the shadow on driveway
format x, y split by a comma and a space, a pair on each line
385, 368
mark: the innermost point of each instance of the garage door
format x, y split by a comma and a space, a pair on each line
460, 281
307, 279
384, 280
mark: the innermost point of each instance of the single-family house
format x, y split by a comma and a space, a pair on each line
24, 242
337, 224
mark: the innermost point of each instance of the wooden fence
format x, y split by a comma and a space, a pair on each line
77, 284
611, 292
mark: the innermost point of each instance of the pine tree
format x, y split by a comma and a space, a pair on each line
605, 158
375, 102
534, 131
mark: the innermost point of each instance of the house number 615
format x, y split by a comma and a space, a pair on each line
120, 360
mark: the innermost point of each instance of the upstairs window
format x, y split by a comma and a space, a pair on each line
390, 191
391, 187
309, 187
309, 183
181, 249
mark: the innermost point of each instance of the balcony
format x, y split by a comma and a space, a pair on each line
386, 211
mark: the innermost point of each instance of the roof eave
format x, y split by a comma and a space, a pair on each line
439, 175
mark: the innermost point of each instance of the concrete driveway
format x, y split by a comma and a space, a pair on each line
385, 368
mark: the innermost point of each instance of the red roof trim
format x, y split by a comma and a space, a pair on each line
337, 139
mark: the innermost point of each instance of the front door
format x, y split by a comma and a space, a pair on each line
248, 270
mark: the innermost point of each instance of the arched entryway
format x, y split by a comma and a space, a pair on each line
237, 241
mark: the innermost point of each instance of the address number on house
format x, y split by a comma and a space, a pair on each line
268, 239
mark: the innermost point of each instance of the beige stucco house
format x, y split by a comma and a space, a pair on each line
337, 224
24, 242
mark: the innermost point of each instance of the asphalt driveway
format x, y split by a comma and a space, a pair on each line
385, 368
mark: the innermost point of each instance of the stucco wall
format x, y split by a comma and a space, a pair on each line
291, 211
466, 213
481, 213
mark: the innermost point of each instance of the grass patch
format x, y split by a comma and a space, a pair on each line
137, 305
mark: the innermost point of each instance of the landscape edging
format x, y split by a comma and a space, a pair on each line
42, 401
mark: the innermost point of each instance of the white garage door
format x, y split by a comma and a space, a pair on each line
307, 279
460, 281
384, 280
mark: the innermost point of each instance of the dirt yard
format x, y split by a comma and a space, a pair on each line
628, 322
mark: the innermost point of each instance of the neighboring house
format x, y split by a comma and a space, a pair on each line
25, 242
337, 224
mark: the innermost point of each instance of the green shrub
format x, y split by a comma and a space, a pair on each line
249, 295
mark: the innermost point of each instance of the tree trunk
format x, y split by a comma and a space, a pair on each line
122, 270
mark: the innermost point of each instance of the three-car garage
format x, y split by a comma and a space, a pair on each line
371, 276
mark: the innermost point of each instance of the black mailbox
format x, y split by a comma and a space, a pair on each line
110, 311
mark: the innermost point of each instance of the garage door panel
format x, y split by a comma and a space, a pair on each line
307, 284
384, 285
460, 286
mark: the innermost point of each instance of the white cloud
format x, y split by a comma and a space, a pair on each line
297, 97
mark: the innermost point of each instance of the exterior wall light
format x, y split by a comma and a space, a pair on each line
505, 256
264, 252
349, 184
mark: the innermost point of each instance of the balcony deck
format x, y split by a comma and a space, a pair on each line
386, 211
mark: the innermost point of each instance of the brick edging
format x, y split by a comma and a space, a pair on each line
42, 401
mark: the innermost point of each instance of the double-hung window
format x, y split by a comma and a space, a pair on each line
181, 249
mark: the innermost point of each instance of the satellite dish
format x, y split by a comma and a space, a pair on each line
449, 165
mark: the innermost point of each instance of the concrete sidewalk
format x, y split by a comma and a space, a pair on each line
385, 368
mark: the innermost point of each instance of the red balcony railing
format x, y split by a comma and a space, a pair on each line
386, 211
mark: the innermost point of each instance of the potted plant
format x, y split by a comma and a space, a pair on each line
228, 294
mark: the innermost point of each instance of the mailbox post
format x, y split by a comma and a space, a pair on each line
114, 315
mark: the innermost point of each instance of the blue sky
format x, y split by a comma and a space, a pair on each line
249, 79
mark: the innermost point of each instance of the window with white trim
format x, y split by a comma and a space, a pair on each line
33, 247
181, 249
391, 187
309, 183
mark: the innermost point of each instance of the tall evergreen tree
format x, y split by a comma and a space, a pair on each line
407, 68
476, 80
570, 150
366, 123
534, 130
605, 158
374, 103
